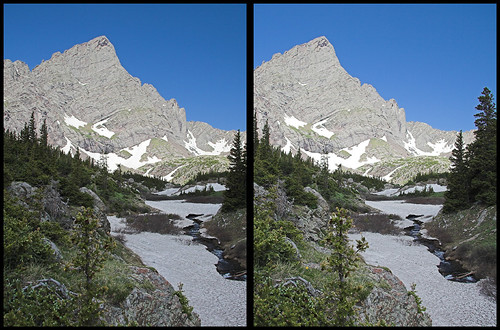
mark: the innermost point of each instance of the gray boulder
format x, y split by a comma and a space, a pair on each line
391, 302
157, 306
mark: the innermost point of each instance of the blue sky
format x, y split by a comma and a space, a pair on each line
193, 53
434, 60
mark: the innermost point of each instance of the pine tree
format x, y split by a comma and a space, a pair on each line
235, 194
457, 187
482, 152
342, 261
44, 134
255, 133
93, 249
266, 163
32, 129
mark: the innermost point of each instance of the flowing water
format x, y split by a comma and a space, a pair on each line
228, 268
448, 302
450, 269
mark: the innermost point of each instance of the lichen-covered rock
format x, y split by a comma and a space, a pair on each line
155, 306
391, 302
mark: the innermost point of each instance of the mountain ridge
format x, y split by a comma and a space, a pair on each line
91, 102
311, 103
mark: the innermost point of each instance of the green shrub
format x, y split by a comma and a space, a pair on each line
43, 306
286, 305
23, 243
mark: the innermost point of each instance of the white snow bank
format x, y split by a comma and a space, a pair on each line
448, 303
294, 122
218, 147
321, 130
177, 191
73, 121
404, 209
183, 209
438, 148
218, 301
100, 129
170, 175
134, 161
397, 192
353, 161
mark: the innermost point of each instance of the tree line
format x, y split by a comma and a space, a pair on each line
29, 158
473, 173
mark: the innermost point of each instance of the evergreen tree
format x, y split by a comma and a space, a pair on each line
266, 162
235, 194
93, 249
44, 134
457, 186
342, 262
32, 129
482, 152
255, 133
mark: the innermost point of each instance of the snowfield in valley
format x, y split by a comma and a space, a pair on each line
448, 303
218, 301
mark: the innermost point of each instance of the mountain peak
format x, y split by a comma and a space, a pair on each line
99, 42
312, 104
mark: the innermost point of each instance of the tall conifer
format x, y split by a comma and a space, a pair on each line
482, 152
235, 194
457, 186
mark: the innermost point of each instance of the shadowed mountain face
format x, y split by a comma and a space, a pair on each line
312, 103
91, 102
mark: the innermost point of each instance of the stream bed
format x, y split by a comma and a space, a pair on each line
449, 303
451, 270
179, 259
228, 268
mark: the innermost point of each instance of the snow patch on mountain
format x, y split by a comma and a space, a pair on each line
170, 175
100, 129
354, 161
321, 130
218, 147
73, 121
288, 147
439, 147
294, 122
67, 148
134, 161
388, 177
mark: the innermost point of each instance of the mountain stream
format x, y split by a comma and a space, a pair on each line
448, 302
218, 300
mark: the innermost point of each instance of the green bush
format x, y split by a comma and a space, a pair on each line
43, 306
286, 305
22, 242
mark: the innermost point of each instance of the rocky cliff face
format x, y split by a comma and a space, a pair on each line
91, 102
311, 103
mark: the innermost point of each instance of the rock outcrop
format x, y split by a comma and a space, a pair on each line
152, 300
157, 306
89, 101
311, 103
390, 301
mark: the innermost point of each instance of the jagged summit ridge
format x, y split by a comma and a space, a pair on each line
311, 103
309, 84
91, 102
